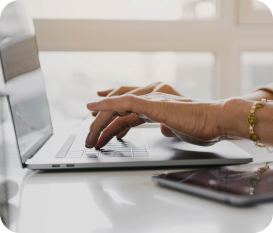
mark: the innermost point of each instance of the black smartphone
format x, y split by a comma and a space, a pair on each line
222, 184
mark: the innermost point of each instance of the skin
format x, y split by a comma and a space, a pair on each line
155, 87
199, 122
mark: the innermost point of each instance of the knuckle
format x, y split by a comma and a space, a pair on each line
130, 98
132, 101
166, 85
128, 101
109, 101
167, 88
122, 88
124, 125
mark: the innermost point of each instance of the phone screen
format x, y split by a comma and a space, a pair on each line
226, 180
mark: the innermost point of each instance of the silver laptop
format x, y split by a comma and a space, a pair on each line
40, 148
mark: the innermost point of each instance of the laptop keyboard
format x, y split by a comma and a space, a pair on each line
132, 145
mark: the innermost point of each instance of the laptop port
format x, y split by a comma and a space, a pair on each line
70, 165
55, 165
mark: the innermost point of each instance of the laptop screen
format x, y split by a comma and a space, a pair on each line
24, 81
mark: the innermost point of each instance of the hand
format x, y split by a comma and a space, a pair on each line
193, 121
155, 87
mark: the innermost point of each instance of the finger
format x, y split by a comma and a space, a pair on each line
124, 104
121, 91
92, 144
166, 131
145, 90
155, 87
95, 113
123, 134
98, 125
110, 107
104, 93
165, 88
118, 126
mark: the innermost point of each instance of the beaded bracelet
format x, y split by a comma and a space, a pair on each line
252, 121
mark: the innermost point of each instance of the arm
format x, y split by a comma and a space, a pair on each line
235, 113
194, 121
241, 108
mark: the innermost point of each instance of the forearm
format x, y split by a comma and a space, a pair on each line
234, 120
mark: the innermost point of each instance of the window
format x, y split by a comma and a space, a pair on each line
84, 73
257, 69
254, 12
155, 39
124, 9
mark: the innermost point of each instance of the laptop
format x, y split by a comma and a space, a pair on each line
40, 148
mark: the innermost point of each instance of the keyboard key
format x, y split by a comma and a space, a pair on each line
91, 152
104, 150
137, 144
107, 154
91, 149
124, 154
122, 142
90, 155
132, 145
125, 139
122, 145
123, 150
108, 148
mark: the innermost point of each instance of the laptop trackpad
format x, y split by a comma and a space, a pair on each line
158, 141
175, 149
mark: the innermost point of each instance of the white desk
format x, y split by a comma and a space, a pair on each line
123, 201
119, 201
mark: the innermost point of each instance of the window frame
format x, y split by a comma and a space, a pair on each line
249, 16
226, 37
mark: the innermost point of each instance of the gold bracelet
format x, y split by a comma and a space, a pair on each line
252, 121
255, 180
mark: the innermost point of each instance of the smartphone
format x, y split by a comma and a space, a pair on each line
221, 184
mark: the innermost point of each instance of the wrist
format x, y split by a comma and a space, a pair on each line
233, 118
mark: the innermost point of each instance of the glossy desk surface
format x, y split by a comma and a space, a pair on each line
118, 201
121, 201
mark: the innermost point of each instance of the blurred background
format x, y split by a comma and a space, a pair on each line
209, 49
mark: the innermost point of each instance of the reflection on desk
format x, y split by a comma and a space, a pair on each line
125, 201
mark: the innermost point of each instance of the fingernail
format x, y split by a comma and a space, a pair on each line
86, 144
92, 104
